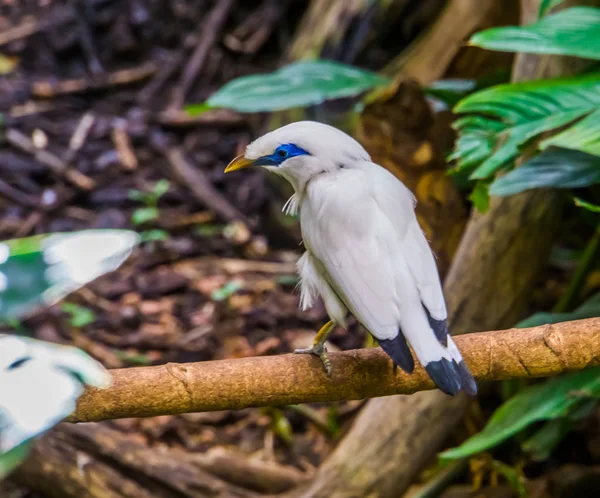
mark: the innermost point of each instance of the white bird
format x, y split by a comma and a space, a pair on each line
365, 251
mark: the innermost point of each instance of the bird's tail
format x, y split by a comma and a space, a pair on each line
439, 355
450, 373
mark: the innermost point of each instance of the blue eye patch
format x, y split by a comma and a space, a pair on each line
281, 153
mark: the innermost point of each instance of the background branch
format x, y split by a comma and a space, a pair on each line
289, 379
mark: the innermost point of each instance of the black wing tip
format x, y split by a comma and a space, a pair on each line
439, 327
451, 377
397, 349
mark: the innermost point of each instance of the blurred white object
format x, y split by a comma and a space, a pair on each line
39, 385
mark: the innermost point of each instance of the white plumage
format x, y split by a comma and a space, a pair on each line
365, 251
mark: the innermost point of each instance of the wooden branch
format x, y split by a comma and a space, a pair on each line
365, 373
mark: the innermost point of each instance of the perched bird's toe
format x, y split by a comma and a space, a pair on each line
321, 352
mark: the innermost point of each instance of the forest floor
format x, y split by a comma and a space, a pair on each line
92, 106
95, 136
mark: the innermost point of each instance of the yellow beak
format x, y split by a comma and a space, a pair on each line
238, 163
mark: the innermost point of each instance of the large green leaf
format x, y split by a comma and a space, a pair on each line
574, 31
555, 168
39, 271
589, 309
547, 401
505, 117
300, 84
510, 140
584, 136
517, 103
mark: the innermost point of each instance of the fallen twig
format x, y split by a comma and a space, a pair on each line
206, 39
194, 179
52, 161
50, 89
364, 373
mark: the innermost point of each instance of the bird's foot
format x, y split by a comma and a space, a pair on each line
318, 350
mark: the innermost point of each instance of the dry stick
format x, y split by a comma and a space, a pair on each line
364, 373
17, 196
52, 161
50, 89
194, 179
214, 117
30, 25
207, 37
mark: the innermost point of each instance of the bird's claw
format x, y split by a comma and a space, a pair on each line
321, 352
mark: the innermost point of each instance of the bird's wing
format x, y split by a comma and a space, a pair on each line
360, 225
345, 228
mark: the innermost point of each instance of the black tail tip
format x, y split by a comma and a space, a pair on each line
451, 377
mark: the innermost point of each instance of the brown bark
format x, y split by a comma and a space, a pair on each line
363, 373
97, 462
427, 59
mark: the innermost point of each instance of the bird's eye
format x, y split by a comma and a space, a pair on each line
282, 152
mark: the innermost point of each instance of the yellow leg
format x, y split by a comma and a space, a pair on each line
323, 333
318, 348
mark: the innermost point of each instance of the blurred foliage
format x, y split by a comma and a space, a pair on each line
300, 84
556, 168
506, 122
574, 31
554, 399
36, 272
587, 205
150, 212
552, 129
589, 309
79, 316
40, 271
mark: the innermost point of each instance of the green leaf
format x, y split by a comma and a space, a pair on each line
541, 444
140, 196
450, 91
517, 136
583, 135
300, 84
197, 109
39, 271
505, 117
517, 103
574, 32
589, 309
161, 187
553, 168
144, 215
10, 460
547, 5
228, 290
547, 401
587, 205
155, 235
480, 197
80, 316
